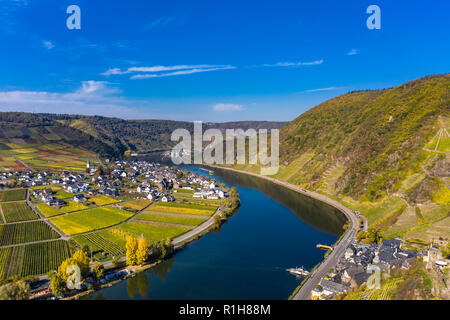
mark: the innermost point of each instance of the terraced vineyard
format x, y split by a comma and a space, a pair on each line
33, 259
17, 212
97, 243
13, 195
11, 234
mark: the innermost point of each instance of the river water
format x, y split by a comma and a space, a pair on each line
274, 229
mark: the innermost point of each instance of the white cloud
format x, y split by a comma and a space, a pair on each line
294, 64
352, 52
227, 107
325, 89
92, 98
48, 44
158, 71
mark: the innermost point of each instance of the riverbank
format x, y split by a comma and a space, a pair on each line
304, 292
178, 244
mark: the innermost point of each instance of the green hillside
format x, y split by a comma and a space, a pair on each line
384, 152
60, 142
145, 135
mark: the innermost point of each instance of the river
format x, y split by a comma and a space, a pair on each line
274, 229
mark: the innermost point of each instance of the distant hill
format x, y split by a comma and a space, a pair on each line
27, 138
384, 152
145, 135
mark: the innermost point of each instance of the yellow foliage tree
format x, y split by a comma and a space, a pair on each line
142, 251
131, 246
80, 259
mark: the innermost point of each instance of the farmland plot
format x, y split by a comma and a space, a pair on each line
17, 212
11, 234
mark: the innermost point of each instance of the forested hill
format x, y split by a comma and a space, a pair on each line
382, 152
112, 136
376, 137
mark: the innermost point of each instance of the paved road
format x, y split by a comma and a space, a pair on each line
338, 250
203, 227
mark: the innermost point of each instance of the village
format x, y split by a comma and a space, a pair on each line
97, 210
369, 265
147, 180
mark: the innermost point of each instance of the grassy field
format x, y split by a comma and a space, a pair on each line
151, 232
72, 206
33, 259
166, 217
62, 194
184, 208
48, 211
17, 212
136, 204
13, 195
89, 220
11, 234
102, 200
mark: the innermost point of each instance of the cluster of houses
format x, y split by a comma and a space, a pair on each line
160, 179
155, 182
359, 262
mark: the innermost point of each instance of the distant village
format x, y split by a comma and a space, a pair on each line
148, 180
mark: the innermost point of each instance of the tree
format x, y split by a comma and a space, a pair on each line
86, 249
19, 290
142, 251
80, 259
164, 248
99, 270
131, 246
57, 285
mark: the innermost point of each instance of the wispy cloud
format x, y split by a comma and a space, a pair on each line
165, 71
227, 107
160, 22
8, 8
352, 52
325, 89
292, 64
48, 44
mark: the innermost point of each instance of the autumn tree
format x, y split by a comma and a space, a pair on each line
57, 285
142, 251
132, 247
19, 290
99, 270
80, 259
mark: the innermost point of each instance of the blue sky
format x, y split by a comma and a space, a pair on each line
211, 60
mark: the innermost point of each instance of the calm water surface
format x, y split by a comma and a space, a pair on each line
274, 229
